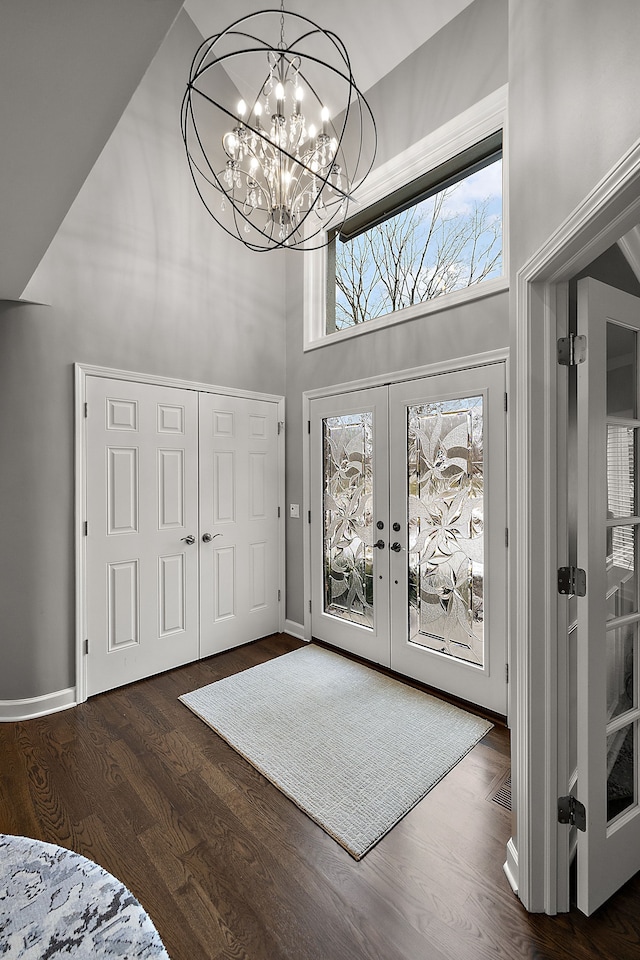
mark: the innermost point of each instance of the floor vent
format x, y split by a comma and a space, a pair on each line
503, 794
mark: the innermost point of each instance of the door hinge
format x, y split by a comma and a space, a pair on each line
572, 350
280, 426
506, 536
506, 673
86, 646
573, 812
572, 582
308, 426
309, 606
506, 402
86, 528
309, 516
279, 596
86, 409
278, 513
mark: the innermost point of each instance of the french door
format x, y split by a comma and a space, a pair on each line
408, 529
182, 545
608, 692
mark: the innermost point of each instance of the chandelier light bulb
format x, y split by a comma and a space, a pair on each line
242, 108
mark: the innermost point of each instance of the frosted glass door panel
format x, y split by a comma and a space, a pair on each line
348, 517
446, 526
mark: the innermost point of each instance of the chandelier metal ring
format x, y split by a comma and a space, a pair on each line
284, 175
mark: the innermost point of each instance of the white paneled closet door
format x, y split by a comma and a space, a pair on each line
142, 510
239, 540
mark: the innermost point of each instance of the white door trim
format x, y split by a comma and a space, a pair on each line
539, 525
81, 372
398, 376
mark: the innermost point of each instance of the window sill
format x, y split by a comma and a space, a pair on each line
448, 302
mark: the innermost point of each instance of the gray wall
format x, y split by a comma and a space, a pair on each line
464, 62
573, 110
138, 277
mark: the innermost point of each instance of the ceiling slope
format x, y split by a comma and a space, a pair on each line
378, 34
67, 72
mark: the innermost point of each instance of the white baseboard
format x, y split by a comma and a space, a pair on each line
294, 629
11, 710
511, 865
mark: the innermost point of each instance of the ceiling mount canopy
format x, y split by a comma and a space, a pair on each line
276, 161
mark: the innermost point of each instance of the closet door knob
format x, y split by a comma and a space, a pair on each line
396, 547
190, 539
208, 537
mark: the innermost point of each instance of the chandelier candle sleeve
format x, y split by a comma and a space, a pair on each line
286, 173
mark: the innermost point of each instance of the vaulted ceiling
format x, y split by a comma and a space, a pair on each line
68, 70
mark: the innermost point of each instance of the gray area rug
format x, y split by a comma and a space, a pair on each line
353, 748
55, 903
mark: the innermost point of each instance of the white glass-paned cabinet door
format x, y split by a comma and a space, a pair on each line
448, 511
608, 707
349, 522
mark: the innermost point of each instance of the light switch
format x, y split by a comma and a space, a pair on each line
294, 511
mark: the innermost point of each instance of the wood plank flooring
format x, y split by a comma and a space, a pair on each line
229, 869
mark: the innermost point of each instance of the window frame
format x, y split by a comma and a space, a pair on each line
487, 117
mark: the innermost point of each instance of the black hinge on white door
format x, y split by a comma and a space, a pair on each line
572, 350
86, 646
572, 582
571, 811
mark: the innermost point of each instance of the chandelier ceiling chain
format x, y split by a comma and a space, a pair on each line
282, 46
278, 179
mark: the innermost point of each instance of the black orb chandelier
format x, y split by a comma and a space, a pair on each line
283, 172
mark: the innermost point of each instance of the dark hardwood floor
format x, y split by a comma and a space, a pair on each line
229, 869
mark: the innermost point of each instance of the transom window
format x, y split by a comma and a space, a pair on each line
439, 234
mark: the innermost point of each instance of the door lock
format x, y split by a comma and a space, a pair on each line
396, 527
396, 547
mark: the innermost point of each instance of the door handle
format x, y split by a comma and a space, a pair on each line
190, 539
208, 537
396, 547
379, 544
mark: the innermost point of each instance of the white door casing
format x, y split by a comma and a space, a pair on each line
608, 433
142, 575
239, 593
